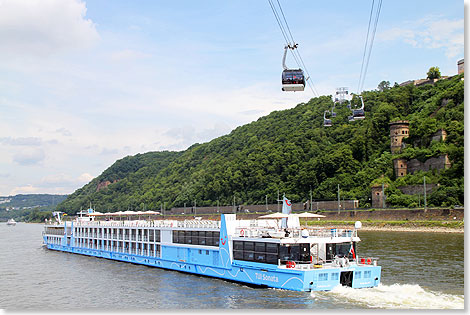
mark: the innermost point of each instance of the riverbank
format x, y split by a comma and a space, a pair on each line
454, 226
427, 229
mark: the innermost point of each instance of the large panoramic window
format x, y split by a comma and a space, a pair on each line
207, 238
262, 252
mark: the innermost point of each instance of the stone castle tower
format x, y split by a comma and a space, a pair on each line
400, 166
398, 131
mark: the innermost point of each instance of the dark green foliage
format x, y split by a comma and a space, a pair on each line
434, 73
291, 152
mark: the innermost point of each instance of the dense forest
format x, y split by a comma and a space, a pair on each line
291, 152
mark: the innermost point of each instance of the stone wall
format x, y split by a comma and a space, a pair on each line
418, 189
438, 163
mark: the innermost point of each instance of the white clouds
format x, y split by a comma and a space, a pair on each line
26, 189
85, 178
26, 141
431, 33
64, 132
127, 55
181, 137
42, 27
59, 183
29, 156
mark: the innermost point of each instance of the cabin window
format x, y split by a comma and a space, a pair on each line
367, 274
256, 251
323, 276
248, 246
339, 249
334, 276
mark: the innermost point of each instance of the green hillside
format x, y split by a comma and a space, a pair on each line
292, 152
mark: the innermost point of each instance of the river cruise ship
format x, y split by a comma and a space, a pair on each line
274, 251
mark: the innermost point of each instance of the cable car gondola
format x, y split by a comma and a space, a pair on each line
326, 122
358, 113
292, 79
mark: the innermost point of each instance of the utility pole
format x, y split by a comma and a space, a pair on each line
339, 202
184, 208
266, 202
311, 201
278, 200
218, 209
383, 196
194, 207
424, 187
234, 209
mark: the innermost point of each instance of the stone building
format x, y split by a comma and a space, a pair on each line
378, 196
398, 131
400, 166
460, 66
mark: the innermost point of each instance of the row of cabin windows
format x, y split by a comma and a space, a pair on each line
270, 253
53, 231
134, 234
118, 246
207, 238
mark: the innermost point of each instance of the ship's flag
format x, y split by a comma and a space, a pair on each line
286, 206
287, 209
352, 251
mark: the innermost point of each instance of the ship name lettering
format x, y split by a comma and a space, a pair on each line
262, 276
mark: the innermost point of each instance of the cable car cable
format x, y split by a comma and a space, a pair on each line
365, 46
311, 85
288, 40
372, 42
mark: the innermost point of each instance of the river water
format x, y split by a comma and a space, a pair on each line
419, 271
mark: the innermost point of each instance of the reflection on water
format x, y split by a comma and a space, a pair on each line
419, 270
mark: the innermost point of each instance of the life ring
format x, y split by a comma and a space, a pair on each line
290, 264
369, 261
242, 232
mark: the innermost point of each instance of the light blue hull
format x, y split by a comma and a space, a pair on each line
250, 273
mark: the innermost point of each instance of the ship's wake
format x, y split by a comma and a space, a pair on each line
396, 296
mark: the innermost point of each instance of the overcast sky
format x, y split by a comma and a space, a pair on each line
84, 83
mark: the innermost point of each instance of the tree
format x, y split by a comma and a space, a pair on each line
434, 73
384, 85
